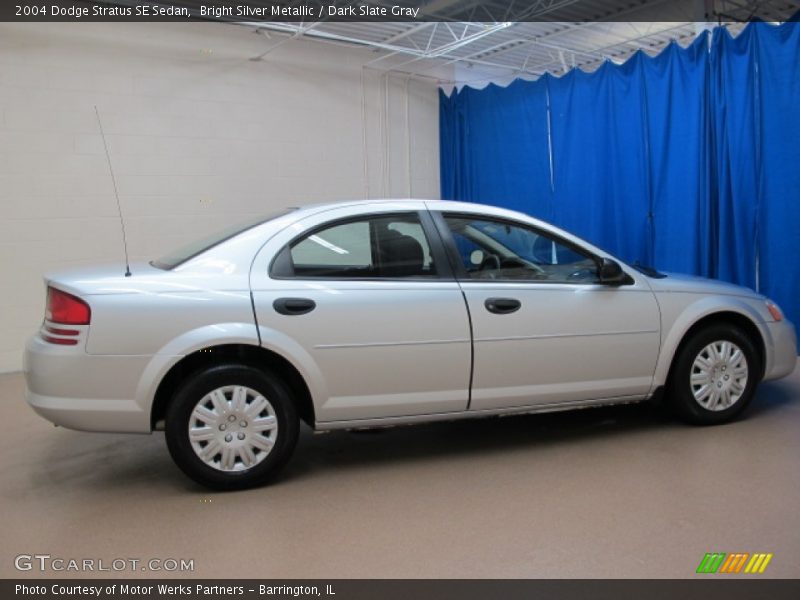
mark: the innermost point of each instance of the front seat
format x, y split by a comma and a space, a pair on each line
400, 255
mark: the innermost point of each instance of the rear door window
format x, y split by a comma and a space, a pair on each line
384, 246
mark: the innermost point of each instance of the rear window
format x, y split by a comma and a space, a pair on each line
189, 251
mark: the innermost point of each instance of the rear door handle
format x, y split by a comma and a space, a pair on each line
502, 306
294, 306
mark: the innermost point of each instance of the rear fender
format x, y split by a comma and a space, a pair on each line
185, 344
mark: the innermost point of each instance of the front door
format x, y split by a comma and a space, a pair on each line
545, 330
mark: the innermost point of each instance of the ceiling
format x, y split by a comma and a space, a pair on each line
479, 41
528, 38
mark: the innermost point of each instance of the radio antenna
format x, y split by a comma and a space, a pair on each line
116, 194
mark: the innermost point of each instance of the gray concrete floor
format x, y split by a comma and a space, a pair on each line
613, 492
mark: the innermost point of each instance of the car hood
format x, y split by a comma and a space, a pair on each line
676, 282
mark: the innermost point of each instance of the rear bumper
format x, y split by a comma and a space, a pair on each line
80, 391
784, 350
117, 416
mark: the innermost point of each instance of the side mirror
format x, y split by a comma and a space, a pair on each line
611, 273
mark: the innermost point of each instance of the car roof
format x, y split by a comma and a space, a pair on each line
320, 206
308, 209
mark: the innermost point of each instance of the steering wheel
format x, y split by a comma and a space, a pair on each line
514, 262
493, 264
490, 261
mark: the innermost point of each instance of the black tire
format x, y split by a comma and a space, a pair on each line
679, 393
194, 389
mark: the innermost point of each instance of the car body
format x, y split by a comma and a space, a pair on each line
377, 313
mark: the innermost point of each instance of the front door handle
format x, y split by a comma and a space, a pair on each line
294, 306
502, 306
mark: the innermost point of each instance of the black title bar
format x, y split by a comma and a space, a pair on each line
711, 588
484, 11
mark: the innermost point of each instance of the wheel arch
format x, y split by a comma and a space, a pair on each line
740, 320
246, 354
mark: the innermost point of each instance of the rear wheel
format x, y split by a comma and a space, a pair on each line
714, 376
231, 427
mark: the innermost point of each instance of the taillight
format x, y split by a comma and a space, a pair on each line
59, 340
66, 309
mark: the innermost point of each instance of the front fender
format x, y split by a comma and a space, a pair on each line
680, 311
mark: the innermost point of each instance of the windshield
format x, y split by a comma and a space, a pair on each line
181, 255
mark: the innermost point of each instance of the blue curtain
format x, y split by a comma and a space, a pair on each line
738, 154
613, 213
688, 161
476, 121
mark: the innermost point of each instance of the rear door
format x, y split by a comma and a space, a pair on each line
546, 331
364, 301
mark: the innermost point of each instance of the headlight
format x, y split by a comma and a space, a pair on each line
774, 310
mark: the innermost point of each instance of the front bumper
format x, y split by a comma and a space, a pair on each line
782, 359
85, 392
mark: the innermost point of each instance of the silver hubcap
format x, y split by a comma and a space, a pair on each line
233, 428
719, 375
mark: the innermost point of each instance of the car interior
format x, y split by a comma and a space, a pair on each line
371, 248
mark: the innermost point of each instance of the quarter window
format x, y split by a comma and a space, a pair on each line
491, 249
372, 247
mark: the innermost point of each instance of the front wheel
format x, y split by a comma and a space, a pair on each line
231, 427
714, 376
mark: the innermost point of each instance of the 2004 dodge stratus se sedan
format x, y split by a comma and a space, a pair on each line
376, 313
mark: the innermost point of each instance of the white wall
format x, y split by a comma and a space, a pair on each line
200, 137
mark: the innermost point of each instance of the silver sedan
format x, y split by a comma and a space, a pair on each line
379, 313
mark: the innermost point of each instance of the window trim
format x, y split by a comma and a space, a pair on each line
461, 273
438, 253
